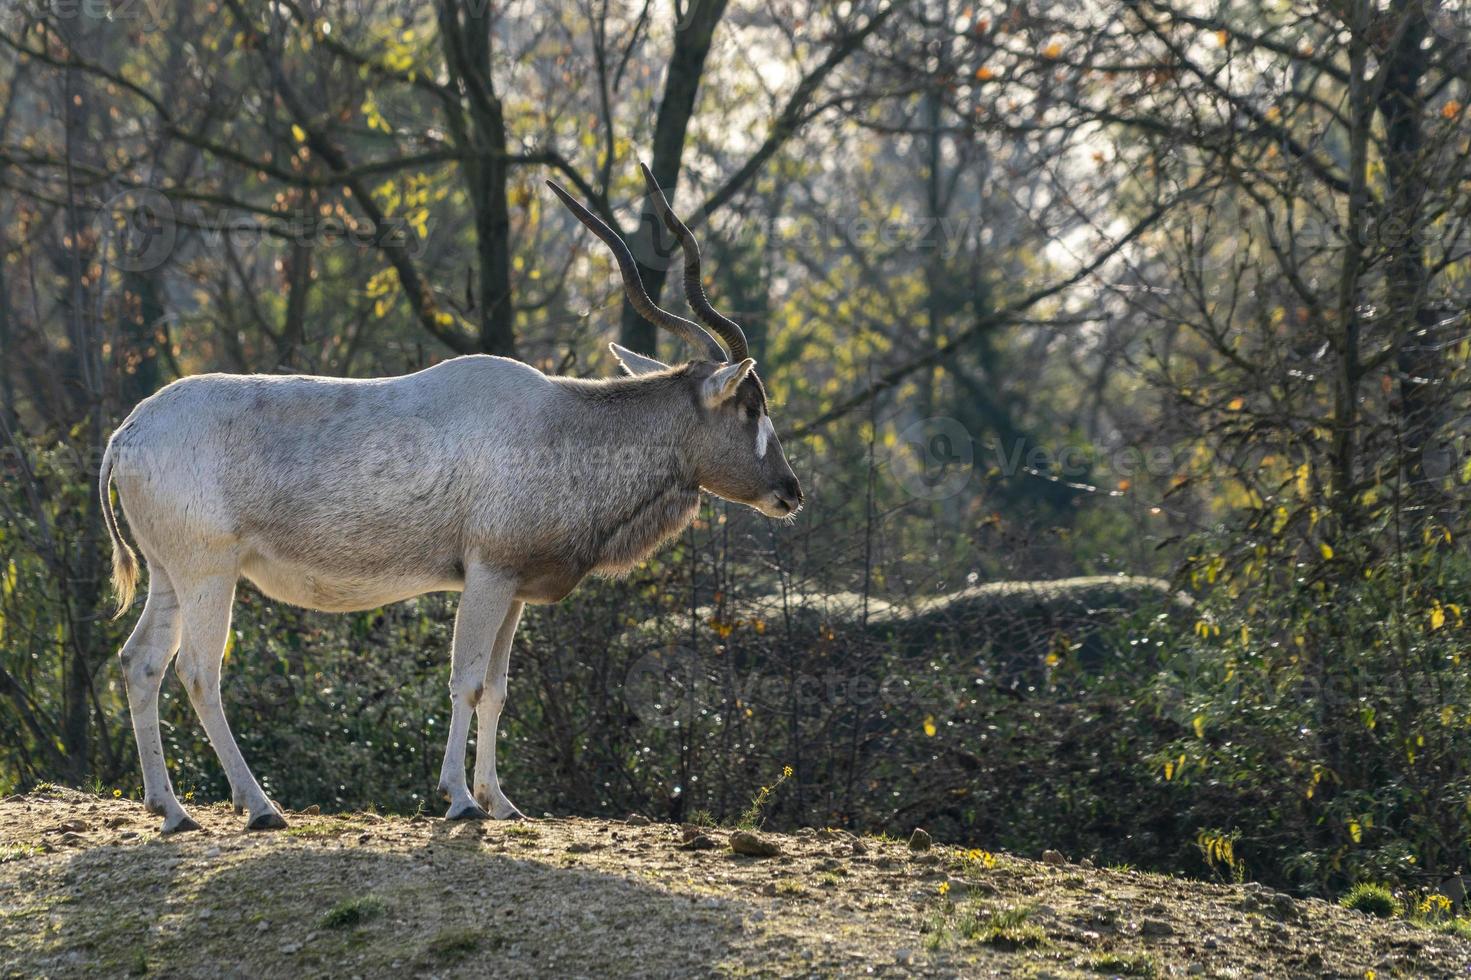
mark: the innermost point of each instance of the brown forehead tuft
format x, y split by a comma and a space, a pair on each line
751, 394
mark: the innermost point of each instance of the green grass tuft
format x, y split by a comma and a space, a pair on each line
1125, 964
353, 912
449, 945
1372, 899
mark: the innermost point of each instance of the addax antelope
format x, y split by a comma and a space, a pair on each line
480, 475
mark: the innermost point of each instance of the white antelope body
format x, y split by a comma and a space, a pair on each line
480, 474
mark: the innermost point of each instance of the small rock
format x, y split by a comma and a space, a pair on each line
1050, 856
364, 838
859, 848
580, 847
749, 844
1156, 927
370, 818
1085, 863
114, 823
699, 842
290, 949
262, 926
920, 840
312, 810
637, 820
1195, 969
213, 852
73, 840
904, 956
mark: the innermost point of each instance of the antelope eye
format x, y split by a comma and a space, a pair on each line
752, 414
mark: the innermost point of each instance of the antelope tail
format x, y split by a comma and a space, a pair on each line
124, 560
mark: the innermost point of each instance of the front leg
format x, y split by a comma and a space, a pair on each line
486, 600
487, 716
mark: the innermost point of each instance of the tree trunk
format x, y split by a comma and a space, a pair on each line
681, 85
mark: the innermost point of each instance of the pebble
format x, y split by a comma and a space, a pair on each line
920, 840
749, 844
904, 956
1053, 857
699, 842
1156, 927
637, 820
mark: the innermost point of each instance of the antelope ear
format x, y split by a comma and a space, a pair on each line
721, 385
636, 364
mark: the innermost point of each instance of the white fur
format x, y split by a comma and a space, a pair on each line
765, 432
480, 474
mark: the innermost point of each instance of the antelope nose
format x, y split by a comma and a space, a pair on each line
791, 491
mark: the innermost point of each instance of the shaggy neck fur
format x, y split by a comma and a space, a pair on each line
640, 436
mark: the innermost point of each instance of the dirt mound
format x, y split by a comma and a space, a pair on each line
87, 888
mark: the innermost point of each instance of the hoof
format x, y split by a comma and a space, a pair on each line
183, 825
270, 820
467, 811
509, 812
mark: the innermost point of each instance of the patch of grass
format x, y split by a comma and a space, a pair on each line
1459, 927
830, 879
1372, 899
1009, 929
790, 886
318, 829
703, 818
449, 945
1125, 964
18, 852
1005, 928
352, 912
139, 966
523, 830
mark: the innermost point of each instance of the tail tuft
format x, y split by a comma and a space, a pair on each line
124, 575
124, 561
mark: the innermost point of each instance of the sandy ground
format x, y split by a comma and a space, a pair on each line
88, 888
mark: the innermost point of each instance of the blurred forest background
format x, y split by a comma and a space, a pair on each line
1158, 303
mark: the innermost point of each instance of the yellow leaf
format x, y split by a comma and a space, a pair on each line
1053, 50
1451, 109
929, 726
1236, 404
1199, 723
1355, 831
1326, 550
298, 133
985, 74
1437, 616
1221, 38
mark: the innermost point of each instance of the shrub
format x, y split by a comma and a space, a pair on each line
1372, 899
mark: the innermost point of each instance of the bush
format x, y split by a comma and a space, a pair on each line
1372, 900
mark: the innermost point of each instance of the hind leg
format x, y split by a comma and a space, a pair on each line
144, 657
205, 609
488, 715
487, 598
